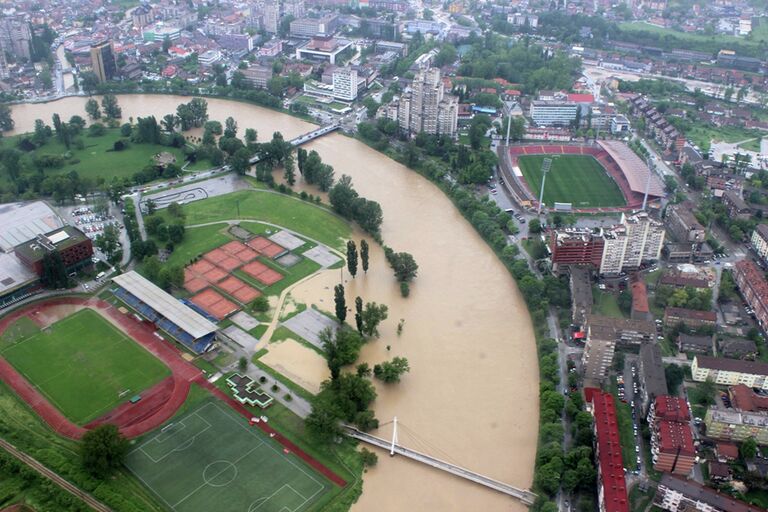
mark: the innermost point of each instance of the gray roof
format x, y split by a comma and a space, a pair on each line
21, 222
652, 369
164, 303
697, 492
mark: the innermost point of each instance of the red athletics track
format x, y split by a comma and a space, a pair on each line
183, 374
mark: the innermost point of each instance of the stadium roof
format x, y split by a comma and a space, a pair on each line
165, 304
633, 168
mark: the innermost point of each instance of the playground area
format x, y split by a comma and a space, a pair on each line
212, 459
82, 363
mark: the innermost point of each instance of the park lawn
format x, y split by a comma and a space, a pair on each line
751, 145
626, 434
22, 427
96, 158
305, 218
606, 303
198, 241
639, 26
83, 363
704, 134
575, 179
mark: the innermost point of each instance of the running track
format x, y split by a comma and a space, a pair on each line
183, 374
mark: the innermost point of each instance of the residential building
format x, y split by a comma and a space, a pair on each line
271, 48
271, 16
744, 398
760, 241
730, 372
611, 486
15, 37
209, 58
295, 8
553, 113
676, 494
581, 293
690, 317
75, 249
682, 224
735, 205
603, 334
103, 61
345, 84
672, 446
653, 382
641, 310
737, 348
311, 27
753, 287
620, 124
637, 240
731, 425
258, 76
142, 16
689, 343
574, 246
427, 108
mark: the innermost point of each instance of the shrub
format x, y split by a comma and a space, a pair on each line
288, 397
405, 289
275, 388
262, 379
260, 305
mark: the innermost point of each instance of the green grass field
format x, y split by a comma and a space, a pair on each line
759, 34
575, 179
82, 363
210, 459
94, 159
305, 218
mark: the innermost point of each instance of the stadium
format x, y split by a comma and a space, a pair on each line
605, 177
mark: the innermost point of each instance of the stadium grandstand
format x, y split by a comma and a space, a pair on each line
626, 169
164, 311
633, 168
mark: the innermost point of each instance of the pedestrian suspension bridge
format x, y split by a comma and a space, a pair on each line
303, 139
525, 496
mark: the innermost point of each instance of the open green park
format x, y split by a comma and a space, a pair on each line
758, 36
83, 364
96, 159
575, 179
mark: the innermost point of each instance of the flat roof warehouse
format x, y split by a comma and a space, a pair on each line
163, 309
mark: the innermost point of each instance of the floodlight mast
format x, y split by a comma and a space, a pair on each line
545, 166
647, 183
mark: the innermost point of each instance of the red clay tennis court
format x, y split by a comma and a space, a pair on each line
254, 268
269, 276
215, 275
246, 294
229, 263
246, 255
231, 285
272, 250
214, 303
216, 255
201, 267
195, 284
233, 247
258, 243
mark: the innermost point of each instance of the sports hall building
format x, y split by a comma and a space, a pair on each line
164, 311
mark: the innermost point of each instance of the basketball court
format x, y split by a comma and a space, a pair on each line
211, 459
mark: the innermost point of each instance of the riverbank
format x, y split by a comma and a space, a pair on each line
472, 393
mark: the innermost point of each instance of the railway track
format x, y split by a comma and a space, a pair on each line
54, 477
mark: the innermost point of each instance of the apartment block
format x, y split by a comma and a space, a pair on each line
760, 241
604, 334
731, 425
427, 108
682, 224
730, 372
754, 288
676, 494
553, 113
672, 446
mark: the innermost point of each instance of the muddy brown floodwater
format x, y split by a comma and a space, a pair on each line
472, 394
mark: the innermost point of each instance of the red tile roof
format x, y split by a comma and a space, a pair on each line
754, 277
671, 408
744, 399
674, 435
581, 98
727, 450
640, 297
610, 463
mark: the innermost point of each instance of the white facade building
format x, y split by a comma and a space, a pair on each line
345, 84
553, 113
760, 241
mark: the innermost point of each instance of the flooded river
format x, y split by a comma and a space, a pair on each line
471, 395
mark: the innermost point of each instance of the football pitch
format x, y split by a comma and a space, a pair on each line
211, 459
82, 364
575, 179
